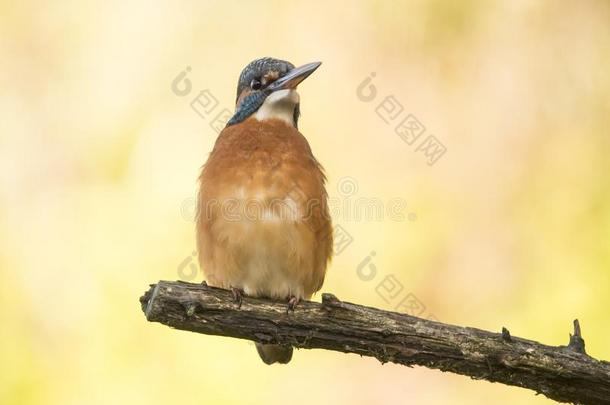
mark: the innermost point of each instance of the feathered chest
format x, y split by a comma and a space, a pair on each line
262, 221
261, 161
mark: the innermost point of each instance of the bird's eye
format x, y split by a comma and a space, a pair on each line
255, 84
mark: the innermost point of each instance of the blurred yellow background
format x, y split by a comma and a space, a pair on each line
99, 159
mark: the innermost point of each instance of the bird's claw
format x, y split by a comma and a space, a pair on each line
238, 294
292, 304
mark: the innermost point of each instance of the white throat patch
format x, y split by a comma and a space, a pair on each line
279, 105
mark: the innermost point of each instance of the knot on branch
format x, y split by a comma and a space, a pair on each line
577, 343
330, 300
506, 335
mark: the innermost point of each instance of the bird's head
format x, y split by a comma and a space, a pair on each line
266, 88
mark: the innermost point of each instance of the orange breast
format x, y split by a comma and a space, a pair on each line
263, 222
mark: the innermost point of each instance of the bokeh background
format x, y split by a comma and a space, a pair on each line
99, 159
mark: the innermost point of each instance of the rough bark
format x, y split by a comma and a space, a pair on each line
564, 373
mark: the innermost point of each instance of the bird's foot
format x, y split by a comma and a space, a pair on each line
292, 304
238, 294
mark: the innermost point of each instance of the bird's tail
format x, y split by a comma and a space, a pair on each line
274, 353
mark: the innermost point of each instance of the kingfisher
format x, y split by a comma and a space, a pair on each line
263, 226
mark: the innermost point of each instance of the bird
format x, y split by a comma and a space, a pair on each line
263, 225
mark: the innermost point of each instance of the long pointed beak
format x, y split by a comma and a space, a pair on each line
291, 79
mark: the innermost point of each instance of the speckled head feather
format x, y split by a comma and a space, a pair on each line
248, 100
259, 68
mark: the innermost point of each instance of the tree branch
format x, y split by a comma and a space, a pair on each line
564, 373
